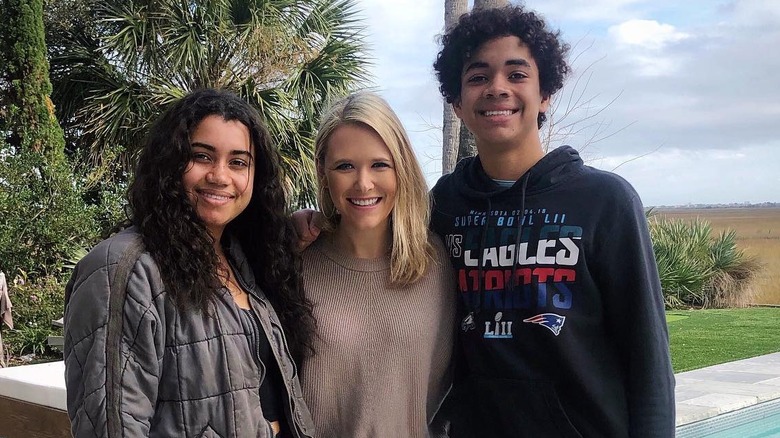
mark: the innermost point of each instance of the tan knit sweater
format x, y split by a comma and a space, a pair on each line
382, 365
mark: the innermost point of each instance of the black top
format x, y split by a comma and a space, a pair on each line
562, 325
271, 391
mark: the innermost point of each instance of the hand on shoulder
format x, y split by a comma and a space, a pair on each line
307, 226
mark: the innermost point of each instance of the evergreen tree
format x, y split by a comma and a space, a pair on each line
29, 120
43, 218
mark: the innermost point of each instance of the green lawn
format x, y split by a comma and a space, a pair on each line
701, 338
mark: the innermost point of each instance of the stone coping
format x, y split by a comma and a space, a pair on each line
42, 384
715, 390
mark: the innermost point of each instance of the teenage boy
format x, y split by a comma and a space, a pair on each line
562, 325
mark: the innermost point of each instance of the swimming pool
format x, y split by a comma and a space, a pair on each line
758, 421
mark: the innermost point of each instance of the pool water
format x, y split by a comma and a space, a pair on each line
759, 421
762, 428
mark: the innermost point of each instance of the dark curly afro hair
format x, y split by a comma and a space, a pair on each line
483, 25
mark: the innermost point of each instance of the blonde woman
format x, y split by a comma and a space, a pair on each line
381, 286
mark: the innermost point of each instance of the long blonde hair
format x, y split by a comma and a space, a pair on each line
411, 251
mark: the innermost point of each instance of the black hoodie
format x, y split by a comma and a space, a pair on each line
565, 336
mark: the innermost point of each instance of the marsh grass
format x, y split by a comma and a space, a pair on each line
757, 232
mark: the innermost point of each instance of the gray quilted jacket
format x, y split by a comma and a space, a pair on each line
179, 374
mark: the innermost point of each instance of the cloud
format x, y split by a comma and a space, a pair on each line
679, 177
691, 83
644, 43
586, 10
712, 89
402, 35
754, 13
647, 34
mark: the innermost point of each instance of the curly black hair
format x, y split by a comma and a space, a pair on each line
483, 25
177, 238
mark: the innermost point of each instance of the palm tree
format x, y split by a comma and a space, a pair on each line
479, 4
453, 9
115, 69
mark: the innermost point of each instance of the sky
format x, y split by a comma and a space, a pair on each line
681, 98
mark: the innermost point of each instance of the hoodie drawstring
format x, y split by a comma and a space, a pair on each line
511, 286
518, 237
480, 256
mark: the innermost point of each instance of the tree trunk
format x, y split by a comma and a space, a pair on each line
453, 9
479, 4
467, 146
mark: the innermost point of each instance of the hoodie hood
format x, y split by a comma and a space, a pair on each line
553, 169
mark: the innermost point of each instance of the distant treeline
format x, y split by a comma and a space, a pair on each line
731, 205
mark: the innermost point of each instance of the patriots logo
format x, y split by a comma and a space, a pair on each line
550, 320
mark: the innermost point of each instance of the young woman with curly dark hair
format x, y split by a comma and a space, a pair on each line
213, 319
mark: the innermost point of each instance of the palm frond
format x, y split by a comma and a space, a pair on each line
286, 57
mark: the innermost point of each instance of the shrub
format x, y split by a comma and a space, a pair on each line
43, 217
35, 305
734, 273
699, 270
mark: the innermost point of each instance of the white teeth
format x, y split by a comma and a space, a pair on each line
364, 202
216, 197
498, 113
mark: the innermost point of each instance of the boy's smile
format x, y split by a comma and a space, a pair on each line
500, 98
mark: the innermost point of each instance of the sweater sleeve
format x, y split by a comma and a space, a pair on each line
628, 278
87, 350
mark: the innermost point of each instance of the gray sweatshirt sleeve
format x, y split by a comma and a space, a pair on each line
87, 348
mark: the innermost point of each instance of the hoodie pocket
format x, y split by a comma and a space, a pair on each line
209, 432
509, 408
